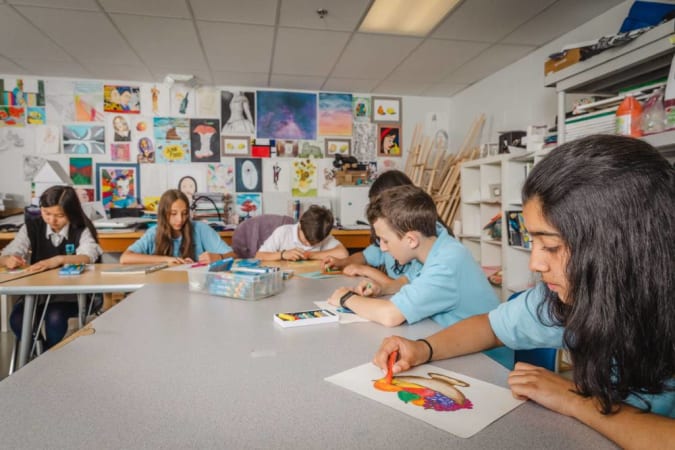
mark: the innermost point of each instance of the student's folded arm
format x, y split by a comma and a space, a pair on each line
339, 251
129, 257
630, 428
377, 310
391, 286
268, 256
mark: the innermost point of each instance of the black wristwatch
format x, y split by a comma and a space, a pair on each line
346, 297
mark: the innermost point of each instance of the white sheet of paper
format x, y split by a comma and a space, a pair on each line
344, 317
490, 402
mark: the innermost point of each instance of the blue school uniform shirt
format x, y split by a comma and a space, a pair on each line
517, 325
375, 257
450, 287
205, 239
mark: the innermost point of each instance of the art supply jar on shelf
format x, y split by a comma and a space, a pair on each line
628, 117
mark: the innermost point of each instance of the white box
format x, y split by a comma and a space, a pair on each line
352, 204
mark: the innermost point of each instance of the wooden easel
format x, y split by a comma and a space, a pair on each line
438, 174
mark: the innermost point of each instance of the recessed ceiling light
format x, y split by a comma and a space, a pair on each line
406, 17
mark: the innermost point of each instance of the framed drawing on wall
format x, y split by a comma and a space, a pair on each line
386, 109
337, 146
235, 145
389, 139
117, 185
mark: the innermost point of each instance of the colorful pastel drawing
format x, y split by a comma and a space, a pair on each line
122, 99
438, 392
12, 116
335, 114
81, 171
304, 183
286, 115
36, 115
84, 139
205, 140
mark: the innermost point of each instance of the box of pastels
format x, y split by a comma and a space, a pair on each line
241, 283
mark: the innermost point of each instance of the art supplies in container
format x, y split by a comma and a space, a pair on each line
302, 318
69, 270
244, 285
134, 269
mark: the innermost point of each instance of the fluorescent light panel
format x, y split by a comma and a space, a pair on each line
406, 17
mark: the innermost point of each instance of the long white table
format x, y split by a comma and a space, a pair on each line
90, 282
168, 368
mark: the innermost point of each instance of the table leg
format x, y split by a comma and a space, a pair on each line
4, 313
82, 309
26, 330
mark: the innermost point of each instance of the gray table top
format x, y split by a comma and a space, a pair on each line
174, 369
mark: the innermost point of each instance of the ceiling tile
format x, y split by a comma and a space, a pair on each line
119, 71
561, 17
261, 12
401, 87
162, 41
444, 89
250, 79
307, 52
89, 5
349, 85
8, 67
83, 34
226, 51
493, 59
344, 15
53, 68
373, 56
497, 18
20, 39
435, 58
296, 82
160, 8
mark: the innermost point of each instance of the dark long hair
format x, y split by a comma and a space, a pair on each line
67, 199
164, 237
611, 198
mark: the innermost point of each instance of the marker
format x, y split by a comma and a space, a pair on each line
284, 316
390, 365
198, 265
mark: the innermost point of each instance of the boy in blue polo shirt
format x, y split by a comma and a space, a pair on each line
450, 286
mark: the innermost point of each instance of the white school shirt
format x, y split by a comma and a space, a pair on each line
285, 237
20, 245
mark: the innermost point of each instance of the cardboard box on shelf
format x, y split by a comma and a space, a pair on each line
571, 56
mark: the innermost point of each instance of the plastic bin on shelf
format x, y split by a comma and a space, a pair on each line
243, 286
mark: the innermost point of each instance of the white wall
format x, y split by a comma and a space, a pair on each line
515, 97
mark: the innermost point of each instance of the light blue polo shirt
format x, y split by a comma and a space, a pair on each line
450, 287
517, 325
205, 239
375, 257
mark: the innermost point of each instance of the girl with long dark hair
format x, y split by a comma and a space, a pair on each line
601, 213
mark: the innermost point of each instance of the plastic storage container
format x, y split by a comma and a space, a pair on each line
236, 285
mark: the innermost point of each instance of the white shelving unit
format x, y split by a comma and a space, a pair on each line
479, 205
646, 58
